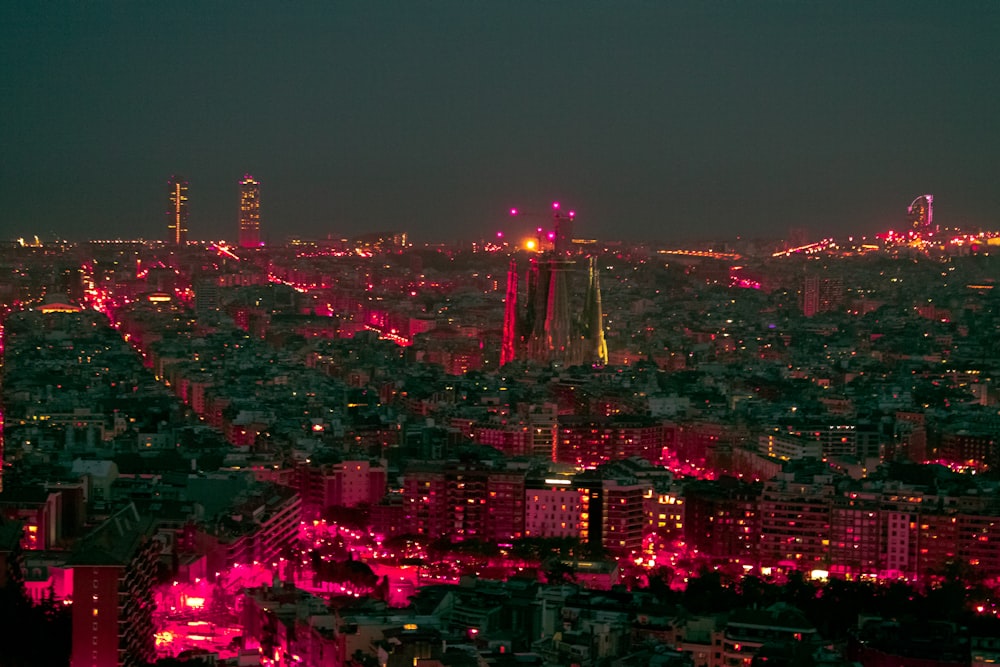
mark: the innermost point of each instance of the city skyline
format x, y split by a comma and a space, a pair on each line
671, 121
814, 420
576, 333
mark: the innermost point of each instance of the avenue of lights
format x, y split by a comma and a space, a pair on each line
826, 245
702, 254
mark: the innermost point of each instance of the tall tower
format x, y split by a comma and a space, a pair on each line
593, 316
554, 323
508, 350
557, 321
177, 210
249, 212
921, 214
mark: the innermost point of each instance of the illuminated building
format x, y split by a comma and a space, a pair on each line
345, 484
249, 212
589, 442
550, 326
113, 575
921, 214
177, 210
605, 508
533, 433
821, 295
508, 350
822, 441
855, 535
936, 541
556, 507
979, 536
382, 241
666, 511
464, 502
621, 514
288, 626
795, 524
543, 330
39, 511
262, 525
722, 519
971, 444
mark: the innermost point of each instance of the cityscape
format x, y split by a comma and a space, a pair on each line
521, 334
553, 450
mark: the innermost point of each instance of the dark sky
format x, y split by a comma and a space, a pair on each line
668, 119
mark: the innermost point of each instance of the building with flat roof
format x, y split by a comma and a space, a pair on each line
113, 573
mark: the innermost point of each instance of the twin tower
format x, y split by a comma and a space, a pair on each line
550, 320
177, 211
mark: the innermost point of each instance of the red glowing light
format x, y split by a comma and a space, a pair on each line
317, 428
499, 235
514, 211
572, 214
552, 235
555, 205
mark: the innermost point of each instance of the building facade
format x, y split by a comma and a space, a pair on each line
114, 568
177, 210
249, 212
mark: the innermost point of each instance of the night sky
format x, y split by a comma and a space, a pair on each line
667, 119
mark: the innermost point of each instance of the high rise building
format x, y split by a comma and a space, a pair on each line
177, 210
921, 214
113, 575
821, 295
249, 212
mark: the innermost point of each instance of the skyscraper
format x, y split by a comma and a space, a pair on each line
177, 210
249, 212
921, 214
821, 295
